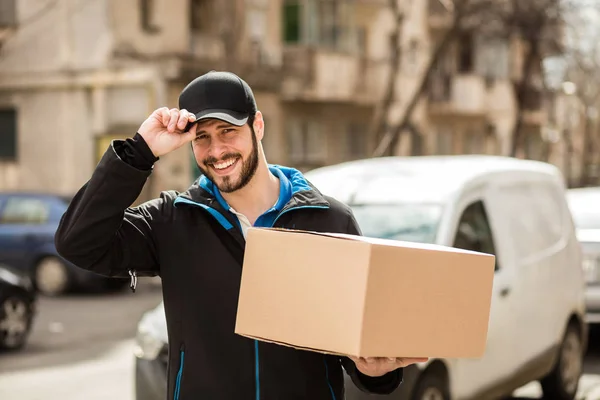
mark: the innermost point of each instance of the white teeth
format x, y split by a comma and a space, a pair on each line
224, 164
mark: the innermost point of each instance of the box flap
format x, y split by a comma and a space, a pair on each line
377, 241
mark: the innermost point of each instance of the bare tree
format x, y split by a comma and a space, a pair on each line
582, 58
465, 14
379, 122
538, 24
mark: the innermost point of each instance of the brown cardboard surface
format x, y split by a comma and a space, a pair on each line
352, 295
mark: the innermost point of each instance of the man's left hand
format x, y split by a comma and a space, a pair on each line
380, 366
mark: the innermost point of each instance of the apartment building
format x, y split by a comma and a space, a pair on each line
469, 105
75, 74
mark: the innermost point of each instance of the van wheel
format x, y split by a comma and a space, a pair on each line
52, 277
562, 383
431, 386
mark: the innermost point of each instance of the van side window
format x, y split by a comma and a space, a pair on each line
474, 232
536, 215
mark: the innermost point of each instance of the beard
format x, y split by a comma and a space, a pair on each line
230, 184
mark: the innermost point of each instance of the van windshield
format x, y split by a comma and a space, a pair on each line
406, 222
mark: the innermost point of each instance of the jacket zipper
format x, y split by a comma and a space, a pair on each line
179, 373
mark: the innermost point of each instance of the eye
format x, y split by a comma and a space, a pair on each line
200, 137
227, 130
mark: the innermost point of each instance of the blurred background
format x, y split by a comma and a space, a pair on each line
336, 80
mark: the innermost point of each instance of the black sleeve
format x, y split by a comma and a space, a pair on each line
135, 152
385, 384
100, 231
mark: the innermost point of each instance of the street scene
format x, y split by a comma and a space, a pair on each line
82, 347
230, 199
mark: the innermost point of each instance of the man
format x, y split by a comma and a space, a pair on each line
195, 242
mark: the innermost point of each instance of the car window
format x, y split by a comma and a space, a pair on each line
24, 210
536, 215
406, 222
474, 232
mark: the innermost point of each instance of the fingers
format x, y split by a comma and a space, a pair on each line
397, 361
184, 117
174, 119
163, 115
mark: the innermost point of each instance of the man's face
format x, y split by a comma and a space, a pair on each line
226, 154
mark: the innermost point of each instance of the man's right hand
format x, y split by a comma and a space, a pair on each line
163, 130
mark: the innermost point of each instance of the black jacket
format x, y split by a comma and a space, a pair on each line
196, 247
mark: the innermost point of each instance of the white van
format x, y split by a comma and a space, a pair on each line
515, 209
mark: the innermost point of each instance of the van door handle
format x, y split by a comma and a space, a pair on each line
505, 291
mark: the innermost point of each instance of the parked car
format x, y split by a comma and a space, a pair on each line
515, 209
28, 222
585, 207
18, 300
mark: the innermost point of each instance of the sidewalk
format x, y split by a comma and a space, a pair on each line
108, 377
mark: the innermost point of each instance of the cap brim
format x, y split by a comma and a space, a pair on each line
231, 117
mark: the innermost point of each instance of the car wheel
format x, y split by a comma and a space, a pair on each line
16, 316
431, 386
52, 277
562, 383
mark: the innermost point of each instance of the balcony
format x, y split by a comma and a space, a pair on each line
439, 17
457, 95
257, 66
313, 74
8, 18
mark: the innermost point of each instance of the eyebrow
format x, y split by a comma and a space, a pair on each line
219, 126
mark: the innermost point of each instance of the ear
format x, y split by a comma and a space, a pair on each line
259, 125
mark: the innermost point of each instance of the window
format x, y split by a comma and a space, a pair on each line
465, 52
536, 215
202, 16
148, 15
492, 57
407, 222
292, 11
329, 27
306, 144
356, 140
534, 145
22, 210
8, 134
474, 232
474, 142
325, 23
444, 143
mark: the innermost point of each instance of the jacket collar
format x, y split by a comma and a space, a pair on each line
296, 191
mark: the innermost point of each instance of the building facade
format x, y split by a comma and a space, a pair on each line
75, 74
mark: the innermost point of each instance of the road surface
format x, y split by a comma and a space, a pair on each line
82, 348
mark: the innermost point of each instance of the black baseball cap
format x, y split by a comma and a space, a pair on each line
221, 95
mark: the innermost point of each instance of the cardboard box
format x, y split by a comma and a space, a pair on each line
358, 296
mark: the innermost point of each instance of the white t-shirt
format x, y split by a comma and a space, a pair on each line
244, 222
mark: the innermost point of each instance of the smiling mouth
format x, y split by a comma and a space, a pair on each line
225, 165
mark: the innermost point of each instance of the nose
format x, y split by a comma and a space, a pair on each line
216, 148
